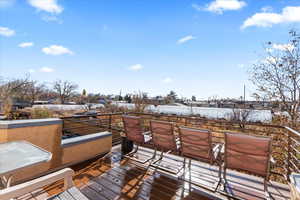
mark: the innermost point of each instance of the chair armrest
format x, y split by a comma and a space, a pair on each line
217, 150
273, 162
30, 186
147, 133
122, 134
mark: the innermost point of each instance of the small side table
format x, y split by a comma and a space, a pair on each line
126, 145
18, 155
295, 186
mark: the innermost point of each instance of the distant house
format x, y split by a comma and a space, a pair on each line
18, 104
41, 102
70, 103
102, 101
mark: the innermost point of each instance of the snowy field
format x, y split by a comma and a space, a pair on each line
58, 107
210, 113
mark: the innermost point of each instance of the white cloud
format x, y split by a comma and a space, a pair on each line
56, 50
283, 47
197, 7
26, 44
136, 67
185, 39
270, 60
267, 9
31, 70
105, 27
46, 69
6, 31
241, 66
50, 6
6, 3
219, 6
52, 18
167, 80
289, 14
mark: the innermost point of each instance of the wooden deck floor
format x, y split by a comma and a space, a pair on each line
116, 178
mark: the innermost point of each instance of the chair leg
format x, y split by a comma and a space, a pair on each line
184, 163
130, 156
160, 157
266, 189
190, 175
224, 177
220, 177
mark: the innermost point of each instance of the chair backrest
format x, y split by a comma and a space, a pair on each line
196, 143
133, 128
249, 153
163, 135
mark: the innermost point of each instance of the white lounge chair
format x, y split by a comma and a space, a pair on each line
70, 191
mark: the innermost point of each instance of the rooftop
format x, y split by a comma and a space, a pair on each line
116, 178
102, 175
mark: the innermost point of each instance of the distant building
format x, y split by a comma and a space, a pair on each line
18, 104
41, 102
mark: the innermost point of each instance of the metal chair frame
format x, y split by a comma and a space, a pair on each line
215, 158
267, 167
156, 163
130, 155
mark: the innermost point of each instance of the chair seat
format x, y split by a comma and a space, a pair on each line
71, 194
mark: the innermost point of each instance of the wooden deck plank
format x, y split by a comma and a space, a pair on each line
91, 194
117, 178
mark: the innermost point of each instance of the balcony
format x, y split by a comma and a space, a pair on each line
114, 177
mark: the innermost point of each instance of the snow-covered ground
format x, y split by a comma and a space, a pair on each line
58, 107
211, 113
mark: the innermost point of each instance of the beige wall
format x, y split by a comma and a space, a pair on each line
79, 152
48, 137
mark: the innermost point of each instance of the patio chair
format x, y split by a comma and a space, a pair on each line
251, 154
164, 140
22, 189
135, 133
197, 144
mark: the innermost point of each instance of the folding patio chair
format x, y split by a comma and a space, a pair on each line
197, 144
135, 133
248, 153
164, 140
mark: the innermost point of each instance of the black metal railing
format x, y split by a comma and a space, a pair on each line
285, 147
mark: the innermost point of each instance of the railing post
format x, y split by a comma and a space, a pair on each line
109, 122
63, 127
289, 156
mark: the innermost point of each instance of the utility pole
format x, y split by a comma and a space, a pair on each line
244, 95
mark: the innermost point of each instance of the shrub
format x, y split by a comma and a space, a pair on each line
39, 113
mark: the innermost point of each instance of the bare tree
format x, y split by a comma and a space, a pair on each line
10, 90
277, 76
14, 87
140, 101
240, 115
64, 90
34, 90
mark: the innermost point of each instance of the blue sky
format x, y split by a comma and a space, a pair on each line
194, 47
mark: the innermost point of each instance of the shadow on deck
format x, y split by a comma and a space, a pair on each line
116, 178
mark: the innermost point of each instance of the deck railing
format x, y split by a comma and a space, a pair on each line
84, 125
285, 147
